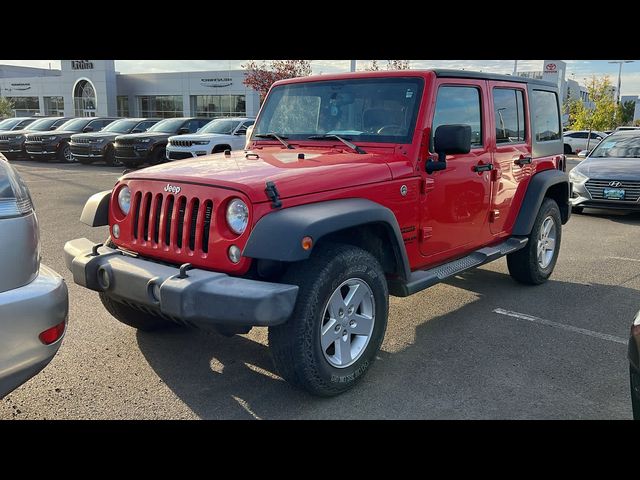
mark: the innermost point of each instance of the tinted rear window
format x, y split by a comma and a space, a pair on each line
546, 122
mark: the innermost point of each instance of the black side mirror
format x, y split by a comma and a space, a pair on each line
183, 130
53, 128
136, 130
449, 140
87, 129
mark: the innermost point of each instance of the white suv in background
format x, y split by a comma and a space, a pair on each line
217, 136
576, 140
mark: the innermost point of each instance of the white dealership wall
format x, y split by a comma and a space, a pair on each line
108, 84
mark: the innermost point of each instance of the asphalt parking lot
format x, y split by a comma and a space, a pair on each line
479, 346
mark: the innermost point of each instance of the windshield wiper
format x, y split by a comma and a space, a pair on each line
329, 136
275, 136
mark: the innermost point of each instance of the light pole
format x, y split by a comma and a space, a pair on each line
515, 68
353, 65
620, 62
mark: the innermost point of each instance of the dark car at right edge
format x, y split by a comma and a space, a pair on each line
609, 177
634, 366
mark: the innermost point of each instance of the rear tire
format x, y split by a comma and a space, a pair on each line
305, 351
534, 263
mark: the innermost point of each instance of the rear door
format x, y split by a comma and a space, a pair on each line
512, 140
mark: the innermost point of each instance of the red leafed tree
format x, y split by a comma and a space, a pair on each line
391, 65
260, 76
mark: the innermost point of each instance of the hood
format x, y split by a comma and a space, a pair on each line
319, 171
610, 168
110, 135
200, 136
154, 135
15, 133
52, 133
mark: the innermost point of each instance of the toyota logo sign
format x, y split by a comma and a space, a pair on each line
550, 67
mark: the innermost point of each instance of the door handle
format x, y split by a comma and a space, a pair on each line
485, 167
522, 161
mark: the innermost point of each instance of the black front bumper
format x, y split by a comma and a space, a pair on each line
131, 153
41, 150
86, 151
201, 298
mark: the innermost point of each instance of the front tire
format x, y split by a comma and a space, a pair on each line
567, 149
534, 263
338, 323
64, 154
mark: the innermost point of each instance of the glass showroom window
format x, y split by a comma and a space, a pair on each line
25, 106
163, 106
84, 99
54, 106
123, 105
218, 105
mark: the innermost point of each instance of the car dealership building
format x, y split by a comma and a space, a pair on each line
93, 88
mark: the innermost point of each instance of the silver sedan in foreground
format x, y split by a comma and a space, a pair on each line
33, 298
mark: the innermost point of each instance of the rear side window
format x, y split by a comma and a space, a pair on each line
508, 104
546, 116
459, 105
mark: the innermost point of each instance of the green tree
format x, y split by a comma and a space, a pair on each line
603, 114
625, 113
6, 108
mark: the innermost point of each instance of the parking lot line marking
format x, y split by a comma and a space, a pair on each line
625, 259
570, 328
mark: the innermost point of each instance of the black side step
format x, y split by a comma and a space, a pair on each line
422, 279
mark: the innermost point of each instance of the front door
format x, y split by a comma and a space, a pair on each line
512, 158
456, 201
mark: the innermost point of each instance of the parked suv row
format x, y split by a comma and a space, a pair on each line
137, 149
87, 148
55, 144
12, 143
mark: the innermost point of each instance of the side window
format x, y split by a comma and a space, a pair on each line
546, 116
582, 135
248, 123
570, 135
508, 104
459, 105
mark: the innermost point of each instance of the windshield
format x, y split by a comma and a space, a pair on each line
43, 124
9, 123
224, 127
365, 109
619, 146
75, 125
170, 125
120, 126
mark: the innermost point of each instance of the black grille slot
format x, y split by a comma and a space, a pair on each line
167, 233
182, 206
156, 230
136, 213
145, 218
194, 222
208, 210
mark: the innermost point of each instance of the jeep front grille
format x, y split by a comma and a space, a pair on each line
631, 189
81, 140
35, 138
6, 137
181, 143
171, 222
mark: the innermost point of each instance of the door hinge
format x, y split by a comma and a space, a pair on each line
494, 215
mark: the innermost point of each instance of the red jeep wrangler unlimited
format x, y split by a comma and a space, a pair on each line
356, 186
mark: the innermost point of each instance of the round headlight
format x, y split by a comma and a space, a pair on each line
237, 216
124, 199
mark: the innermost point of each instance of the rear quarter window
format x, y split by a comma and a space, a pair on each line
546, 121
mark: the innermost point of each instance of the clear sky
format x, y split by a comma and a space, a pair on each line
576, 69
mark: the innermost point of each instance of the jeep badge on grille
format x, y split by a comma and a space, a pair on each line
172, 189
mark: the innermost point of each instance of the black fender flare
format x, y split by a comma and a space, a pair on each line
278, 235
96, 211
537, 189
